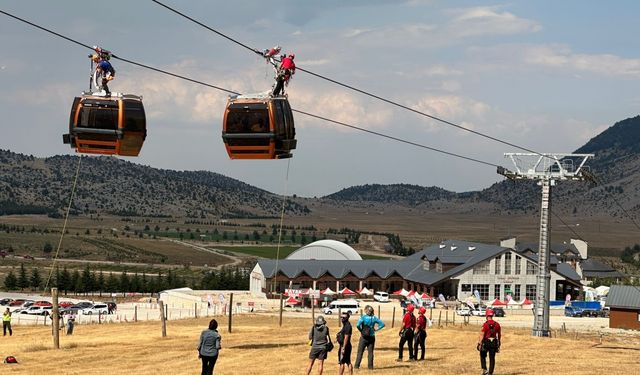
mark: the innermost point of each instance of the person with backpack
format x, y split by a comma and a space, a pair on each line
209, 347
343, 338
320, 344
420, 334
489, 343
368, 324
406, 333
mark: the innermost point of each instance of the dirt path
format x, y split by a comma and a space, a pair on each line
233, 260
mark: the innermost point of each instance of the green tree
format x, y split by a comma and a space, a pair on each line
88, 280
135, 283
100, 282
36, 280
11, 281
124, 282
23, 280
75, 284
47, 248
112, 284
64, 280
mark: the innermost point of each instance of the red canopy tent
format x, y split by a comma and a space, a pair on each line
526, 301
347, 292
411, 293
424, 296
291, 301
496, 302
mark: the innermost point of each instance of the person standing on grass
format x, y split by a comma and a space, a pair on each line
489, 343
344, 340
367, 327
6, 323
209, 347
420, 334
71, 321
406, 333
319, 336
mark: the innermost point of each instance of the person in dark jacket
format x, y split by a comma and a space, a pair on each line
209, 347
319, 336
344, 340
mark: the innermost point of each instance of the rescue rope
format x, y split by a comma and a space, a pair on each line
284, 200
66, 220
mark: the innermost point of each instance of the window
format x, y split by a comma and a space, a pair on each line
497, 261
483, 289
496, 291
134, 116
518, 265
482, 268
507, 290
516, 292
530, 292
439, 266
465, 288
507, 263
531, 268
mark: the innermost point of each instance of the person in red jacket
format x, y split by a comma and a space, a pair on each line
406, 333
420, 334
285, 71
489, 343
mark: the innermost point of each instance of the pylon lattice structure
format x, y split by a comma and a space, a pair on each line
546, 169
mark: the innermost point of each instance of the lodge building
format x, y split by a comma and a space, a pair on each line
453, 268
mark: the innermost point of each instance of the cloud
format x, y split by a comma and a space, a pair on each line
468, 112
481, 21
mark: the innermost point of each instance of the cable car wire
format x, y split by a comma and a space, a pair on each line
234, 92
66, 220
353, 88
237, 93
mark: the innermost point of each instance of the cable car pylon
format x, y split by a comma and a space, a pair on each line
546, 169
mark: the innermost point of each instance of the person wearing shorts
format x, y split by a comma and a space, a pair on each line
319, 338
343, 338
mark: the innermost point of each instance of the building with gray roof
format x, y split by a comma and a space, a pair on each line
624, 302
453, 268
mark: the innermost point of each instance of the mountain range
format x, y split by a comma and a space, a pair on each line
117, 187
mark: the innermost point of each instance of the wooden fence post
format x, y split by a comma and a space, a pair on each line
163, 320
55, 313
230, 311
393, 317
281, 307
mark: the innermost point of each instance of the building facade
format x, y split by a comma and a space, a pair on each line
624, 302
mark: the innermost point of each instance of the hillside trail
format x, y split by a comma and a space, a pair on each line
234, 260
377, 250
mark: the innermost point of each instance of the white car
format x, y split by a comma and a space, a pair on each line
464, 311
346, 305
38, 310
98, 308
381, 296
481, 311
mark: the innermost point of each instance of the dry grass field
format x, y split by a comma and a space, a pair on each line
258, 346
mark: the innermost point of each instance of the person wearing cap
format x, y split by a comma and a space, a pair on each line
368, 324
406, 333
489, 342
319, 338
420, 334
344, 340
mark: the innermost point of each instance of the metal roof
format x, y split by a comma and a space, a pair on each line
624, 297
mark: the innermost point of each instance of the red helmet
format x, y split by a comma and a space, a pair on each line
292, 56
410, 308
422, 310
489, 312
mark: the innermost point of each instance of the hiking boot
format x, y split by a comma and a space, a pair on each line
398, 359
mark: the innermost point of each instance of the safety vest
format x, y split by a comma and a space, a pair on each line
6, 317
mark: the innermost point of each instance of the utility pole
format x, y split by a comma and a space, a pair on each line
546, 169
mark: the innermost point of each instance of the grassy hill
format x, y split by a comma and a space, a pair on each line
106, 185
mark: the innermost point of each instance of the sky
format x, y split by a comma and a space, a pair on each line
545, 75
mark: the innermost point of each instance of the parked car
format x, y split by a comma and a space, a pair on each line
65, 304
84, 304
38, 310
16, 303
98, 308
498, 312
5, 301
480, 311
381, 296
344, 305
572, 312
42, 303
464, 311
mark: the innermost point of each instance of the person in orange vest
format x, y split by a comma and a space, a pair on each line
489, 342
406, 333
420, 334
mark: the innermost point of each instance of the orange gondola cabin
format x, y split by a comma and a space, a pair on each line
258, 127
113, 125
